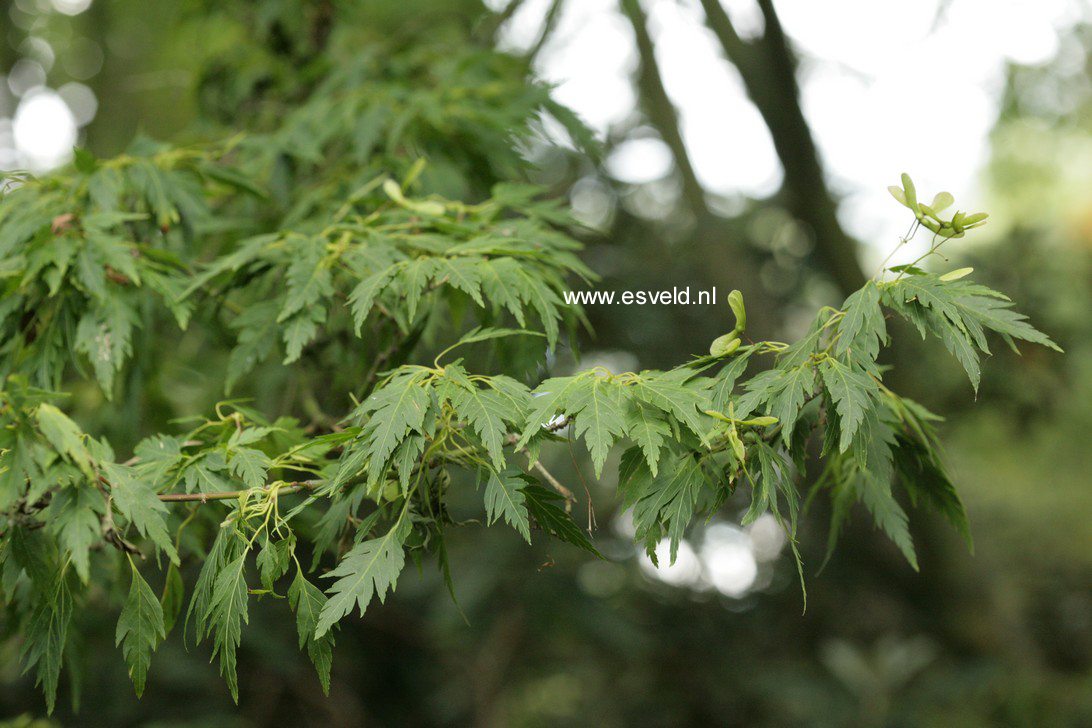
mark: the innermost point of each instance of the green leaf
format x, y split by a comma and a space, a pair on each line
863, 328
44, 638
104, 335
724, 383
140, 629
502, 286
414, 279
222, 550
174, 591
395, 409
783, 390
876, 495
504, 497
273, 560
548, 399
258, 333
64, 435
597, 408
369, 569
157, 456
363, 296
308, 601
201, 473
74, 518
307, 278
464, 274
229, 613
137, 501
300, 330
852, 393
542, 505
649, 430
544, 300
925, 480
486, 412
666, 501
479, 334
678, 395
251, 465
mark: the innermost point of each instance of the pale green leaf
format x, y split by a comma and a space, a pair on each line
64, 435
251, 465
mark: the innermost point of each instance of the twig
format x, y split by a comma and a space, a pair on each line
565, 493
231, 494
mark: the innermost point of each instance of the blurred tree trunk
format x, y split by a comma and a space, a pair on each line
768, 67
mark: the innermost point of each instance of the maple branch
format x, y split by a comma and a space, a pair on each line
230, 494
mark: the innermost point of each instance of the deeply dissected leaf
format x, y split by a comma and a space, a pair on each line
137, 501
64, 435
485, 411
542, 505
228, 614
393, 411
504, 498
369, 570
852, 394
673, 393
667, 500
250, 464
649, 430
140, 629
307, 600
45, 637
598, 409
74, 517
863, 327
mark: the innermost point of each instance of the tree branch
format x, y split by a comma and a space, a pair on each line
768, 68
660, 109
232, 494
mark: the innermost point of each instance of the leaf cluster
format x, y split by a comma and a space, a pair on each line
358, 279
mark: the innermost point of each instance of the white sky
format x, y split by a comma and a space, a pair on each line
888, 87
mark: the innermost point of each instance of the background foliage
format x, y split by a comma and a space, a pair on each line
1003, 638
